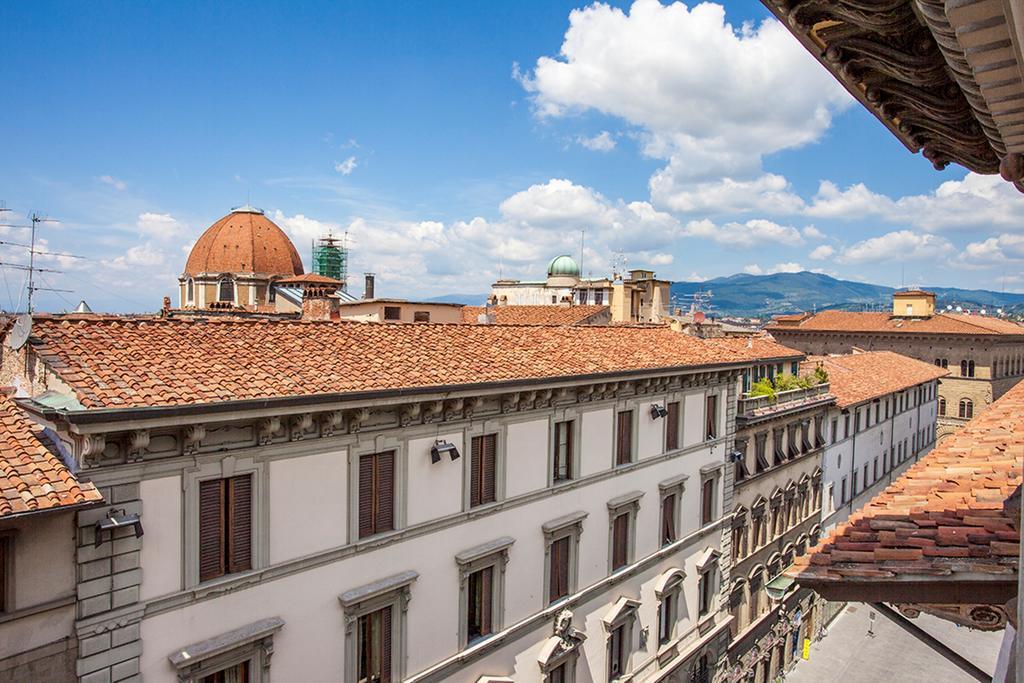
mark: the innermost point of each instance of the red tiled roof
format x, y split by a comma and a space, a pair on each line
308, 278
121, 362
857, 377
32, 477
535, 315
758, 346
941, 323
946, 518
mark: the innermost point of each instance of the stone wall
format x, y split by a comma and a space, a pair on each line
53, 662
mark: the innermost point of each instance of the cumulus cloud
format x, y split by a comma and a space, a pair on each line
788, 267
694, 87
115, 183
994, 251
823, 253
602, 142
897, 245
749, 234
812, 233
161, 226
141, 255
345, 167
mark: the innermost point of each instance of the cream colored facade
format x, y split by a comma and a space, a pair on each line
399, 310
302, 596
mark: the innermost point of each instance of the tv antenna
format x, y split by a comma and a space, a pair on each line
34, 220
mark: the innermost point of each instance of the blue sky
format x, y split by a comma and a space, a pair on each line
459, 140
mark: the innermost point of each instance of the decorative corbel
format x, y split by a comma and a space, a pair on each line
527, 400
357, 418
543, 398
267, 428
509, 402
432, 410
611, 389
330, 422
584, 393
471, 406
299, 424
90, 447
453, 409
138, 442
194, 435
644, 385
409, 414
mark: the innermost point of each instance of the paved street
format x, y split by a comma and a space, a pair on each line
849, 655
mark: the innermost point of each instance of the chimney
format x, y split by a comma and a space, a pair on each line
368, 288
320, 301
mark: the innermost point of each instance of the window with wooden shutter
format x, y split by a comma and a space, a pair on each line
562, 466
236, 673
707, 501
482, 470
374, 647
672, 427
225, 526
558, 578
668, 519
620, 541
617, 653
624, 438
480, 604
711, 416
376, 493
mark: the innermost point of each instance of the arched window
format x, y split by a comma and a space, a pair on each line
966, 408
226, 290
942, 406
970, 368
190, 291
963, 368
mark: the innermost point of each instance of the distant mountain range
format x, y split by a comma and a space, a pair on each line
761, 295
765, 295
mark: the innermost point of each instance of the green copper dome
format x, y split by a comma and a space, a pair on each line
563, 265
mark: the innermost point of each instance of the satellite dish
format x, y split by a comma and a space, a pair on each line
18, 335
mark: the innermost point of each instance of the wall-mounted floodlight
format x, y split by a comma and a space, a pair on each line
657, 411
117, 519
735, 456
440, 448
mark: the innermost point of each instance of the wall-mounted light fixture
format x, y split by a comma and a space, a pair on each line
117, 519
735, 456
441, 447
657, 411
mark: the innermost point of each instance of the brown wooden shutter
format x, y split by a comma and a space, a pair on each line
490, 443
486, 600
384, 519
474, 471
211, 529
624, 446
366, 496
558, 582
668, 522
239, 491
672, 427
620, 541
385, 645
568, 427
707, 501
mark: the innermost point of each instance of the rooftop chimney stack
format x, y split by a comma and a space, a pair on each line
368, 288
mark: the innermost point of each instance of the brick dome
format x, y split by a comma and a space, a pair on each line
244, 241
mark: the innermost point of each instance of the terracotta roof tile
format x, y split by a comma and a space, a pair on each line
850, 321
32, 477
945, 516
124, 362
535, 315
857, 377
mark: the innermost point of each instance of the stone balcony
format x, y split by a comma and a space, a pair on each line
756, 408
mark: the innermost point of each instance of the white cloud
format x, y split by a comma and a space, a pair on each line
141, 255
767, 192
696, 88
115, 183
1000, 250
812, 233
823, 253
345, 167
899, 245
602, 142
752, 233
753, 269
161, 226
788, 267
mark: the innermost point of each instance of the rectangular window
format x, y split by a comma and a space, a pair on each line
760, 444
711, 416
856, 421
599, 297
853, 491
624, 438
376, 493
876, 469
374, 647
620, 541
866, 481
705, 591
479, 621
563, 451
560, 674
392, 313
236, 673
225, 526
668, 518
482, 467
846, 426
421, 316
666, 618
558, 571
707, 501
842, 491
617, 653
835, 430
672, 427
878, 412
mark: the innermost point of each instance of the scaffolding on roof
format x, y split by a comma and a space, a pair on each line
330, 257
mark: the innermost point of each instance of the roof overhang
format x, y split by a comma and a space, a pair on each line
946, 590
944, 76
